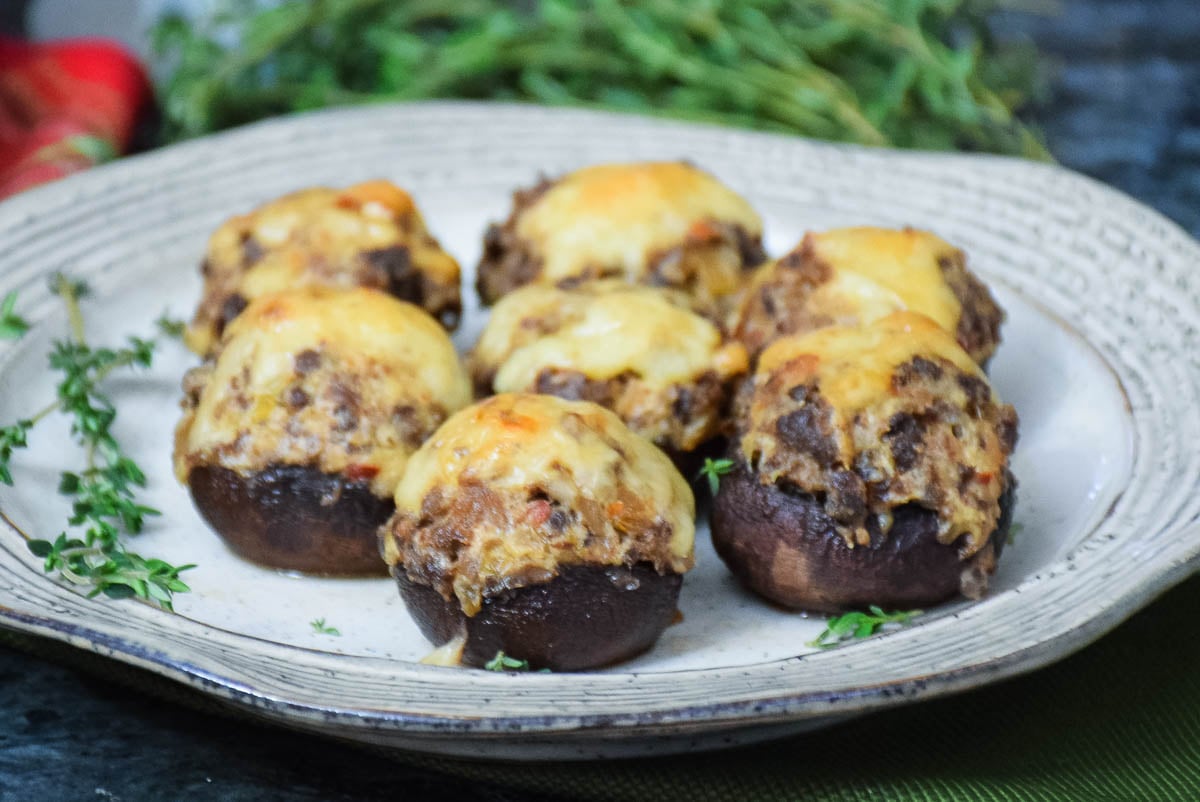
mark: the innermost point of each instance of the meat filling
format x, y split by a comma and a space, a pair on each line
932, 435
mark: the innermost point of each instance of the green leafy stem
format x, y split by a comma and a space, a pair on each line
104, 491
911, 73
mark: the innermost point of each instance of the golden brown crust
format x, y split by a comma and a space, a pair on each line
658, 223
639, 351
367, 235
870, 419
346, 381
852, 276
512, 488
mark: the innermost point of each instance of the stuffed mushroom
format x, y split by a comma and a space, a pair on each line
852, 276
297, 429
871, 468
367, 235
542, 528
639, 351
658, 223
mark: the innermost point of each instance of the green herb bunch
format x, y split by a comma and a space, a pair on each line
908, 73
104, 491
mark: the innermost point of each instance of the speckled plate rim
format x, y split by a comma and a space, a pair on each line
1155, 525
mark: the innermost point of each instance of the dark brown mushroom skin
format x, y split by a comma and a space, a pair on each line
586, 617
294, 517
784, 547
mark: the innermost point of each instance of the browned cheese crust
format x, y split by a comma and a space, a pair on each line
517, 486
297, 428
871, 468
662, 224
869, 420
639, 351
348, 382
367, 235
854, 276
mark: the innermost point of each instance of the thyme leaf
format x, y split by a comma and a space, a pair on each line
104, 491
502, 662
713, 470
321, 628
12, 325
857, 624
169, 326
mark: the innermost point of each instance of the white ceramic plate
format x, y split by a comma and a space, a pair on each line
1100, 357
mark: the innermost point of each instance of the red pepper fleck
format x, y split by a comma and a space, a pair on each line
539, 511
359, 472
703, 231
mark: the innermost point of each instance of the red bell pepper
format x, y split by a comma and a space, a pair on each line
64, 106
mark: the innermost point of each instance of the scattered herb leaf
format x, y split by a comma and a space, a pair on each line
104, 492
321, 628
502, 662
12, 325
11, 438
1013, 531
713, 470
858, 624
169, 326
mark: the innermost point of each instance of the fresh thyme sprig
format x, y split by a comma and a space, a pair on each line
921, 73
321, 628
502, 662
859, 625
713, 470
104, 492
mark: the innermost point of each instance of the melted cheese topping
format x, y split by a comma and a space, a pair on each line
576, 453
871, 418
854, 365
602, 329
389, 352
449, 654
619, 215
316, 236
877, 271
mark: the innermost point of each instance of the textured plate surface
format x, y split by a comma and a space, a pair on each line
1101, 357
